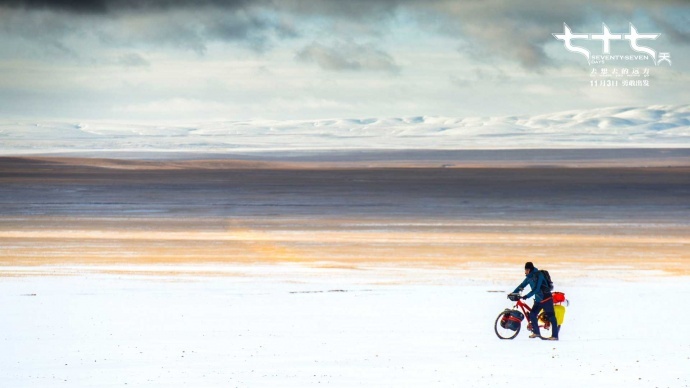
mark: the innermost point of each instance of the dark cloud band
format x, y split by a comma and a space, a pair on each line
106, 6
342, 7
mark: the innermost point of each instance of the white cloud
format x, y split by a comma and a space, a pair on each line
133, 60
348, 56
174, 107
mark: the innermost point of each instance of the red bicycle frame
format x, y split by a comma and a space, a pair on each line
544, 323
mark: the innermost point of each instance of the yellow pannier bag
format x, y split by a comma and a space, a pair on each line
560, 313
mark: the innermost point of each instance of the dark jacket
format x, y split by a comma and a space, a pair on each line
534, 279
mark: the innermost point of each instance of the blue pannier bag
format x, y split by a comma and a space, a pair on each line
512, 319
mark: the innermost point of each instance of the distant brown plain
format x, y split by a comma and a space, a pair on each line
80, 211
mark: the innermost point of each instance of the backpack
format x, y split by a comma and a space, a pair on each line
546, 287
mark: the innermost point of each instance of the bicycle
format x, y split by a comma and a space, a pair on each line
508, 323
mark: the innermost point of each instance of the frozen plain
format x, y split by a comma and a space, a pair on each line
290, 325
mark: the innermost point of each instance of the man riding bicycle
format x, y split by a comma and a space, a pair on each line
542, 300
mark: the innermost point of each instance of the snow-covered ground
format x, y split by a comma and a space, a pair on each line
622, 127
290, 327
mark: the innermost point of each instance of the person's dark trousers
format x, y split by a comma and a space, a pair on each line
547, 306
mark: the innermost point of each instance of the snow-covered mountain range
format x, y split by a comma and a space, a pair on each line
621, 127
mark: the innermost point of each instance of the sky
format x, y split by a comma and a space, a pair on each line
302, 59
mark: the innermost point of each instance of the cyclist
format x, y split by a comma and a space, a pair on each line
542, 300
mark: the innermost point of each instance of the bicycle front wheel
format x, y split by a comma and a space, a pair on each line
502, 332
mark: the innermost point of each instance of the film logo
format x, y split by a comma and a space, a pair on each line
606, 37
582, 44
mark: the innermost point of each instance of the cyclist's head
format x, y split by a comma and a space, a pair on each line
528, 267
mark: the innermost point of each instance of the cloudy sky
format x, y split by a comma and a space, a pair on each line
307, 59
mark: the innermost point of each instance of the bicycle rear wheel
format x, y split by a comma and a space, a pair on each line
545, 329
502, 332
